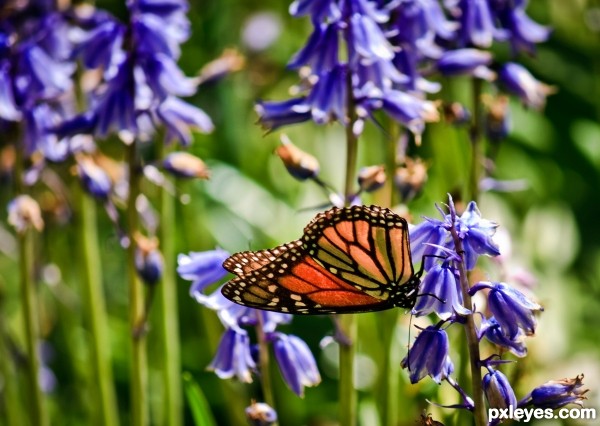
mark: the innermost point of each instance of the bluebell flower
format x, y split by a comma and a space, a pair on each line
141, 80
524, 32
296, 362
233, 358
321, 51
512, 309
558, 393
179, 117
93, 178
319, 10
440, 293
8, 106
476, 20
474, 232
369, 68
185, 165
519, 81
472, 62
429, 355
260, 414
490, 329
202, 268
276, 114
498, 391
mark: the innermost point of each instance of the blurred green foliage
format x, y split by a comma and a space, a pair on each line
251, 202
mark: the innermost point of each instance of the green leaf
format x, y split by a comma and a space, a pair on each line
197, 401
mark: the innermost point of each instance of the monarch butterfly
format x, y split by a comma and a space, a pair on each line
349, 260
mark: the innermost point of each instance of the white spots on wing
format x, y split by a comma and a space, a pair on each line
295, 297
272, 288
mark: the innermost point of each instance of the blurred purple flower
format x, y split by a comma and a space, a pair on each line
524, 32
296, 363
466, 62
519, 81
93, 178
202, 268
234, 357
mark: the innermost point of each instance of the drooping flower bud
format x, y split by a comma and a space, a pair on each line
93, 178
371, 178
149, 262
185, 165
410, 178
260, 414
429, 355
498, 121
298, 163
498, 391
456, 113
558, 393
519, 81
24, 213
466, 62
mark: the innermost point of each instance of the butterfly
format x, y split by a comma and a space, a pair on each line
349, 260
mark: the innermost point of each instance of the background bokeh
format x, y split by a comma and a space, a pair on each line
251, 202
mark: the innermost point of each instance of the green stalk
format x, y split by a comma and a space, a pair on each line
39, 415
472, 341
95, 310
348, 323
12, 405
264, 360
139, 362
388, 320
168, 326
29, 301
476, 136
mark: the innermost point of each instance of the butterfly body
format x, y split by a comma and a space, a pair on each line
349, 260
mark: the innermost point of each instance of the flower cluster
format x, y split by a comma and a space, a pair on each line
448, 249
366, 81
141, 82
236, 355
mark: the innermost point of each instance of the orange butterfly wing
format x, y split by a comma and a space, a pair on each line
354, 259
294, 283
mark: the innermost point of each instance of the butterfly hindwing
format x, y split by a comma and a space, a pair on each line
246, 261
295, 283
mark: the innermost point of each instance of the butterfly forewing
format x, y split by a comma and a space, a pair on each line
367, 246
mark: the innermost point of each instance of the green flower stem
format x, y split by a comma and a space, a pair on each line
95, 309
168, 313
476, 136
388, 320
29, 302
264, 361
39, 415
349, 324
472, 341
139, 367
12, 405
